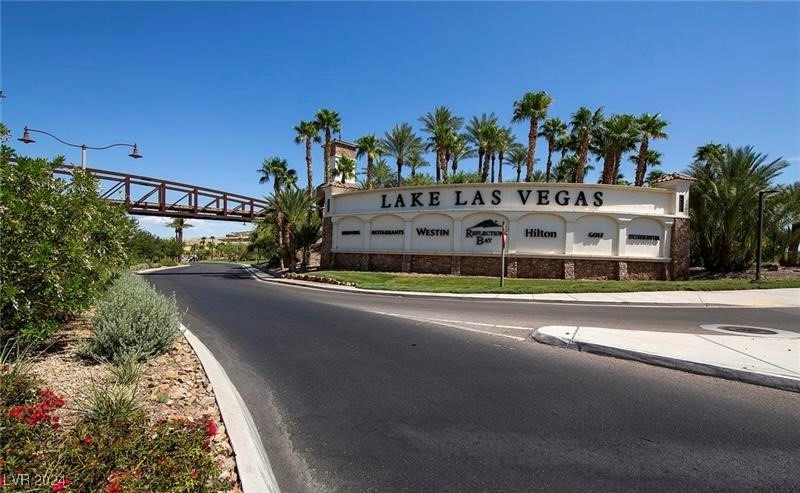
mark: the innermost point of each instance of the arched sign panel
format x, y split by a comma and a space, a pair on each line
595, 235
539, 233
432, 233
387, 233
482, 232
350, 233
644, 238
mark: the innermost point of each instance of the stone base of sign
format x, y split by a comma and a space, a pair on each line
679, 248
516, 267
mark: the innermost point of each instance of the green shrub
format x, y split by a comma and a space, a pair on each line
17, 384
127, 370
132, 320
114, 405
168, 262
60, 243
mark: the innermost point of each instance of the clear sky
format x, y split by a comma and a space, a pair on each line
208, 90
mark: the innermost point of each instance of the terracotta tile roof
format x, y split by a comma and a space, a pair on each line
674, 176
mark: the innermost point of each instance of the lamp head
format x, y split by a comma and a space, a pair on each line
135, 153
26, 137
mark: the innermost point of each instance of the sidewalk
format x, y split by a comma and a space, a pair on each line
768, 357
761, 298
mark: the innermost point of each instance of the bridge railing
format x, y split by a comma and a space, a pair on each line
143, 195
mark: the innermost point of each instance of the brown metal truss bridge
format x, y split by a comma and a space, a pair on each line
145, 196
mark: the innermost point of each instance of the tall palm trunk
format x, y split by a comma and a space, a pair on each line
400, 172
438, 165
500, 169
583, 155
493, 160
519, 173
447, 157
326, 155
481, 152
444, 164
549, 159
617, 163
308, 166
608, 167
641, 165
369, 172
485, 170
534, 131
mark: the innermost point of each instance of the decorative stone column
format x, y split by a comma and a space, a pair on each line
569, 269
679, 249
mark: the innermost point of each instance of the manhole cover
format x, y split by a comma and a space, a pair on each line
746, 330
749, 330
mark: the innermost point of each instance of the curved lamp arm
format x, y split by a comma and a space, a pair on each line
26, 138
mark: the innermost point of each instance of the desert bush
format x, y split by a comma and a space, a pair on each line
112, 405
17, 384
127, 370
132, 319
61, 244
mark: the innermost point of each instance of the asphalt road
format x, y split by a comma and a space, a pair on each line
351, 400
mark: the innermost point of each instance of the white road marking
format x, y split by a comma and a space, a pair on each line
452, 324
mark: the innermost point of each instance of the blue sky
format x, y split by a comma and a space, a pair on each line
208, 90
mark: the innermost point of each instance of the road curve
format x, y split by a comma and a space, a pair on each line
351, 400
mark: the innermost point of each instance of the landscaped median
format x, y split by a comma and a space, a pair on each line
464, 284
115, 401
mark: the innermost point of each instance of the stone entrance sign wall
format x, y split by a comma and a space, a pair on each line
556, 230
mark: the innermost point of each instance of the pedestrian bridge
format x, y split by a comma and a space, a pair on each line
146, 196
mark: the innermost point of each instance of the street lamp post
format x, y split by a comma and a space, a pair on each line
761, 195
26, 138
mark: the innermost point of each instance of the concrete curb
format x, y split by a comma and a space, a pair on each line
252, 463
674, 363
264, 277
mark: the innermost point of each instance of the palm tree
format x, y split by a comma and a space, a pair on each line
382, 175
329, 121
293, 206
459, 149
553, 129
724, 205
517, 158
704, 153
442, 126
179, 224
650, 127
503, 142
370, 146
277, 170
650, 159
478, 133
345, 167
584, 123
567, 168
654, 175
616, 136
305, 236
401, 142
415, 162
492, 141
307, 132
532, 107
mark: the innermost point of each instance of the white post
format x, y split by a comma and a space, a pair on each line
503, 237
83, 156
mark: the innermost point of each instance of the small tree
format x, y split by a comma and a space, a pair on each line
60, 242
